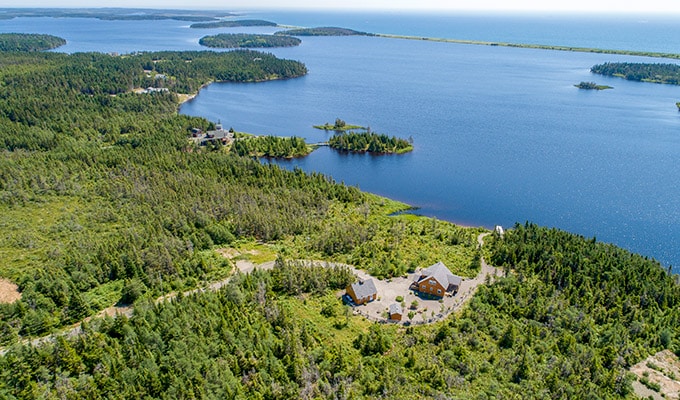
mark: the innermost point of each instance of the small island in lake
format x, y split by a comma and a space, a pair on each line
592, 86
322, 31
232, 24
339, 125
244, 40
27, 42
370, 142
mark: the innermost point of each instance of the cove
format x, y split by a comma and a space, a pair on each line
501, 135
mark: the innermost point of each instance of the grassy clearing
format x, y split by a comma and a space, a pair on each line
32, 233
254, 251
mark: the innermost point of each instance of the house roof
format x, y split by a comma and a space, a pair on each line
363, 289
395, 308
441, 274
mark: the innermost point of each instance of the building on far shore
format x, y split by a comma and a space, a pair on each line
437, 281
362, 292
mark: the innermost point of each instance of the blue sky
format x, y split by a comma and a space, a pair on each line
610, 6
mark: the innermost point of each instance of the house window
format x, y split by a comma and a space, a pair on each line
431, 289
423, 287
439, 291
432, 282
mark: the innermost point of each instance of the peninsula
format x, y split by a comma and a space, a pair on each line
535, 46
369, 142
270, 146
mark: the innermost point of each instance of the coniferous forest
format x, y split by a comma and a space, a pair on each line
29, 42
244, 40
104, 200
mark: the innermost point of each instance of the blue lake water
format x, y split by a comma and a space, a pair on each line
501, 134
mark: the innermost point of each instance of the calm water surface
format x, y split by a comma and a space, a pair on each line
501, 135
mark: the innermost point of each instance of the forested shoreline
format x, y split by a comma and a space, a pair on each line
370, 142
245, 40
643, 72
103, 199
29, 42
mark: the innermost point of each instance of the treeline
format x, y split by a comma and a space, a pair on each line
643, 72
97, 189
232, 24
605, 306
370, 142
241, 342
271, 146
284, 334
48, 96
322, 31
29, 42
246, 40
112, 14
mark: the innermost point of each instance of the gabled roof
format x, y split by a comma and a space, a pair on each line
363, 289
441, 274
395, 308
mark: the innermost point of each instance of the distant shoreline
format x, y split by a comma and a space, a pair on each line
535, 46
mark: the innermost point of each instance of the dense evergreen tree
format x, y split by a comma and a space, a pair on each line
646, 72
232, 23
271, 146
370, 142
245, 40
29, 42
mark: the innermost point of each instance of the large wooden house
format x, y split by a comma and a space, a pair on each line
437, 281
362, 292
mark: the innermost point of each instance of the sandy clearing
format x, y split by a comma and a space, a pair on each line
9, 292
662, 368
424, 310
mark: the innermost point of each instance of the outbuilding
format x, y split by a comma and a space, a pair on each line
395, 312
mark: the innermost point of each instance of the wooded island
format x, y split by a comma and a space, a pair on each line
369, 142
245, 40
322, 31
592, 86
339, 126
232, 24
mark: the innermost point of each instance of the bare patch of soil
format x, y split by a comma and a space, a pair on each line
662, 368
9, 292
232, 253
